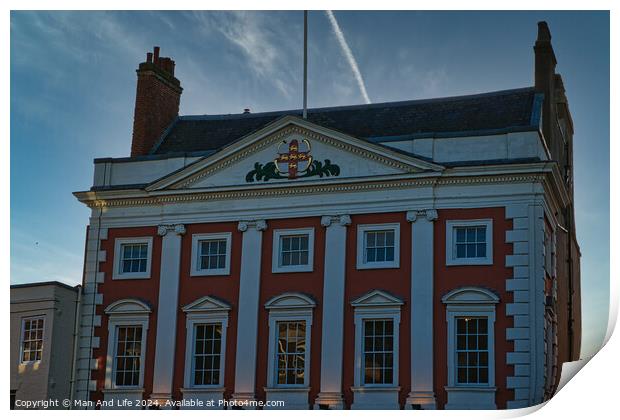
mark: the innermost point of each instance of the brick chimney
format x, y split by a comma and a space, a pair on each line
158, 95
544, 81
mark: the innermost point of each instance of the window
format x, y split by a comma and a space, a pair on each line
470, 313
472, 351
132, 258
377, 318
32, 340
128, 356
378, 246
469, 242
293, 250
207, 353
211, 254
207, 323
290, 324
378, 351
127, 327
291, 352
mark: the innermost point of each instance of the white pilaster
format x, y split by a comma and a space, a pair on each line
247, 324
332, 335
421, 307
167, 310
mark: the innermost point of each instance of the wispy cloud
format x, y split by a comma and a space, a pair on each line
266, 48
348, 54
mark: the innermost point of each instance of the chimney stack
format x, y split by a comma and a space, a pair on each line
544, 78
158, 96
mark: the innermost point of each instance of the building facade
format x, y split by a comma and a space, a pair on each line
42, 327
417, 255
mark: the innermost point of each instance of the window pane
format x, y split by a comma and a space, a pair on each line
481, 233
471, 336
460, 251
290, 354
378, 351
471, 234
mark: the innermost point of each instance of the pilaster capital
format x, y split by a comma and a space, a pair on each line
429, 214
259, 225
163, 230
342, 220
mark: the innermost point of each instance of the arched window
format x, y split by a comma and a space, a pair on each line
470, 314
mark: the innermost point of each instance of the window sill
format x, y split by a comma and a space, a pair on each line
287, 389
140, 276
376, 388
203, 390
122, 390
293, 269
377, 266
210, 273
469, 262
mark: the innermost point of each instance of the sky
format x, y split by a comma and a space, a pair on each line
73, 89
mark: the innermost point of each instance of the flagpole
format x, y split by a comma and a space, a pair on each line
305, 112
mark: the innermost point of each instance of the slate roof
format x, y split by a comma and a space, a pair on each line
508, 110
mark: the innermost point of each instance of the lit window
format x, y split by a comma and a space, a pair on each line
127, 363
132, 258
293, 250
378, 246
472, 352
207, 353
469, 242
32, 340
211, 254
291, 352
378, 351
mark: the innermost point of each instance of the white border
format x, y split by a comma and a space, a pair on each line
451, 251
193, 319
275, 255
196, 238
118, 242
361, 245
21, 341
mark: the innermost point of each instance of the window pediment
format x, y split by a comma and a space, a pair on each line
127, 306
206, 304
377, 298
290, 301
470, 295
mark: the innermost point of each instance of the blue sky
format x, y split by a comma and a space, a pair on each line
73, 91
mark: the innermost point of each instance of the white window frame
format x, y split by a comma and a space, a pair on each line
194, 319
21, 342
451, 226
471, 302
361, 246
288, 307
368, 314
126, 312
275, 258
196, 238
118, 244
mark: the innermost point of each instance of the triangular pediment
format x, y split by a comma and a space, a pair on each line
292, 150
377, 298
206, 304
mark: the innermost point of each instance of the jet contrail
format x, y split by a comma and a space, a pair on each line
348, 54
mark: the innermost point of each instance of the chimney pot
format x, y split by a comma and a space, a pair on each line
246, 110
149, 57
156, 55
544, 34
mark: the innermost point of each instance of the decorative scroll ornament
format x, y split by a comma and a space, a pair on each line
293, 161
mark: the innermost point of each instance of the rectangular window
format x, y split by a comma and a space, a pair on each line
378, 351
134, 258
212, 254
470, 241
32, 340
127, 359
294, 250
291, 352
379, 246
207, 354
472, 350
